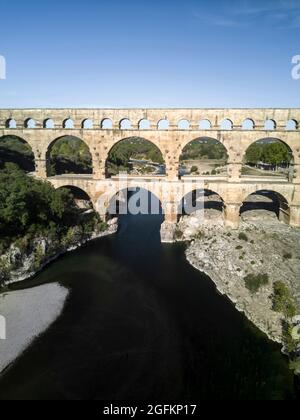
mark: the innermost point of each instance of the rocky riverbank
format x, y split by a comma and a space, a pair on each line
262, 246
18, 264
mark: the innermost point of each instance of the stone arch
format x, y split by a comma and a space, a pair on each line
70, 165
184, 124
270, 125
115, 160
251, 157
205, 124
116, 202
198, 199
87, 124
292, 125
248, 124
17, 150
106, 124
30, 123
81, 197
144, 124
259, 201
48, 123
226, 124
68, 124
125, 124
212, 147
11, 123
163, 124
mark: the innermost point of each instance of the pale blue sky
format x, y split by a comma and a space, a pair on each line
167, 53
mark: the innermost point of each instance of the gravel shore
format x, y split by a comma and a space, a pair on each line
28, 313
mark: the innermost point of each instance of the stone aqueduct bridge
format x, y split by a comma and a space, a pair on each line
41, 127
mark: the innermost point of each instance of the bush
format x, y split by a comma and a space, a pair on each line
287, 256
239, 247
178, 234
243, 237
194, 169
295, 365
199, 235
282, 300
255, 282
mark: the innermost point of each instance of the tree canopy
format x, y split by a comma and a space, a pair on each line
70, 155
204, 148
269, 152
132, 148
27, 204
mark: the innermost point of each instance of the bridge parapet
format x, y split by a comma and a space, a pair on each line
191, 117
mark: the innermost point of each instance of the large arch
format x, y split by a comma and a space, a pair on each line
269, 156
17, 150
205, 204
260, 203
135, 155
133, 200
203, 156
81, 198
68, 155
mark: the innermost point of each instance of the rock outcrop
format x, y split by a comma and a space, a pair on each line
266, 247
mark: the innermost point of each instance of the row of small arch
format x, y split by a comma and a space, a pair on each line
144, 124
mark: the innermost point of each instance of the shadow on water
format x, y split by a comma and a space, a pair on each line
140, 323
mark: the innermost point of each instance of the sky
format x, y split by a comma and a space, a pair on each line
167, 53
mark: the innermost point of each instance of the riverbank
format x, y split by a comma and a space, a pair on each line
28, 313
261, 246
17, 264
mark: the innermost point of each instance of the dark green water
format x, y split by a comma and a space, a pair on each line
140, 323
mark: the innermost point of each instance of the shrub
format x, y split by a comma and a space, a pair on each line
199, 235
243, 237
287, 256
282, 300
295, 365
239, 247
178, 234
255, 282
194, 169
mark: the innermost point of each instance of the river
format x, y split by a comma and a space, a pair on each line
140, 323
